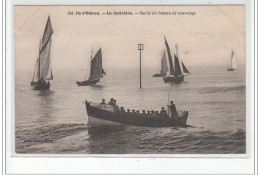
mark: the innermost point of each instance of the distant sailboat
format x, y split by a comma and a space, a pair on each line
177, 72
96, 70
164, 67
43, 67
233, 62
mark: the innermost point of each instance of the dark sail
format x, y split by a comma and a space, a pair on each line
185, 70
96, 70
177, 66
170, 57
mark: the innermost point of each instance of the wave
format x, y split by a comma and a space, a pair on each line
206, 90
45, 134
209, 142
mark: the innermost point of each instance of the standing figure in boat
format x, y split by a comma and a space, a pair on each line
233, 62
164, 67
177, 71
43, 64
172, 109
96, 70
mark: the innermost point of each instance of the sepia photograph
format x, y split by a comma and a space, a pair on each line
130, 80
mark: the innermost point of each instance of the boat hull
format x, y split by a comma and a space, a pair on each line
40, 85
176, 80
87, 83
98, 122
106, 116
159, 75
230, 69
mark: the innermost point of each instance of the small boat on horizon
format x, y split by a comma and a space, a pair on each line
96, 70
43, 67
177, 72
233, 65
164, 67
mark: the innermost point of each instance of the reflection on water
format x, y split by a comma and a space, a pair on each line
45, 106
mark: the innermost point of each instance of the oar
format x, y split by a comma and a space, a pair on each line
169, 97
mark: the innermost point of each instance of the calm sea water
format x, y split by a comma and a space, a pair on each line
55, 121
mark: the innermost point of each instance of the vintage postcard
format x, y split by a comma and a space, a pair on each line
130, 80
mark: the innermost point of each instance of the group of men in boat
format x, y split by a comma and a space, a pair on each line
151, 114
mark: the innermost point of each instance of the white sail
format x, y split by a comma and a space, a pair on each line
43, 68
233, 61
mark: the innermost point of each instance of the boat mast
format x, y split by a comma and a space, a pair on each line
176, 46
232, 53
140, 48
91, 52
39, 62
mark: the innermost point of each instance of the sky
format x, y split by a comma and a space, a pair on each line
204, 39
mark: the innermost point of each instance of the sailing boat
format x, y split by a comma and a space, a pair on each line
43, 68
164, 67
233, 62
176, 72
96, 70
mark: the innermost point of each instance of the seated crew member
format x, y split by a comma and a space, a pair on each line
122, 110
153, 115
138, 113
114, 102
143, 113
133, 114
116, 107
148, 114
163, 113
103, 101
111, 102
128, 112
156, 115
172, 108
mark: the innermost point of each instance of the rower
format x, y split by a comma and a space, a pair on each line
133, 114
143, 113
163, 113
122, 110
116, 108
153, 115
128, 112
111, 102
103, 101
